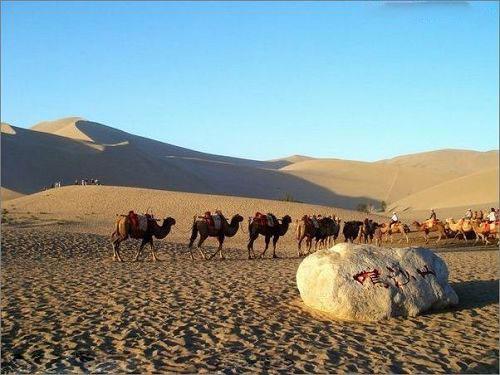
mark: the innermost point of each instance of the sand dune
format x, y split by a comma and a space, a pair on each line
93, 209
378, 182
7, 129
65, 127
72, 148
9, 194
477, 189
460, 162
33, 159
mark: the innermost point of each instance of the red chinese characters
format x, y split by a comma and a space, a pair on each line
396, 276
373, 276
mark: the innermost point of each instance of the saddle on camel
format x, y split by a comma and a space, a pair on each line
213, 221
265, 220
138, 223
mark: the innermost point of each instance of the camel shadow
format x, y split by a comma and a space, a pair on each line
476, 293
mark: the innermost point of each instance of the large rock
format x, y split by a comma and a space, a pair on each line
364, 282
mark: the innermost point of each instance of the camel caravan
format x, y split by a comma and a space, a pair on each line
322, 230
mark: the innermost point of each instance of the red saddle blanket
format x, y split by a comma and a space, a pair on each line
264, 219
139, 222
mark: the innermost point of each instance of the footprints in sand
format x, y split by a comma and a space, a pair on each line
67, 308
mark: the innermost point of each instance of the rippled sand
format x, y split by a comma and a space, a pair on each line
67, 307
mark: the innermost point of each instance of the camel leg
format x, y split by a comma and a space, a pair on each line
253, 237
219, 250
153, 253
465, 237
143, 243
267, 239
299, 246
275, 241
439, 237
200, 242
113, 244
309, 242
116, 251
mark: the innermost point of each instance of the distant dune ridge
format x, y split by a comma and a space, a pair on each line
74, 148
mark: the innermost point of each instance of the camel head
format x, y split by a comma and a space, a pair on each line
286, 219
168, 221
237, 218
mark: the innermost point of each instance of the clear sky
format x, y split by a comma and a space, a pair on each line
361, 81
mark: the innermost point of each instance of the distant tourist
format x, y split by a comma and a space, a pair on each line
468, 214
492, 216
433, 216
394, 219
480, 215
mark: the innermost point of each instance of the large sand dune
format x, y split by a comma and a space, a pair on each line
93, 209
73, 148
34, 159
460, 162
379, 182
476, 189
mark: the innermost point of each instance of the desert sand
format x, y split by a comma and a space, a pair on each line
73, 148
67, 307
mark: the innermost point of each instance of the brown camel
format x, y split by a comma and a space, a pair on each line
305, 229
483, 230
462, 227
398, 227
201, 226
256, 227
327, 232
124, 230
424, 227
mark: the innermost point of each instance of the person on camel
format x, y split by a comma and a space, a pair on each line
491, 216
468, 214
394, 219
433, 216
480, 215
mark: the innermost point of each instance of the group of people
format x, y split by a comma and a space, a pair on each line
86, 181
493, 215
56, 184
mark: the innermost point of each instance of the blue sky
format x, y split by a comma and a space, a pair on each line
360, 81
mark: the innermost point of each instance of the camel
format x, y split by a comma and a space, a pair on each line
201, 226
483, 231
462, 227
278, 230
327, 232
367, 231
123, 230
424, 227
305, 229
398, 227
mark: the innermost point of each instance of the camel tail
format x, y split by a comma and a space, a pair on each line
194, 231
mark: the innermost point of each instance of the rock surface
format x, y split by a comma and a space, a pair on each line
368, 283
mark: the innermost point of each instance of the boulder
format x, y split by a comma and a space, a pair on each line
369, 283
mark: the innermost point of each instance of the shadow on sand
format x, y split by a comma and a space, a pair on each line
476, 293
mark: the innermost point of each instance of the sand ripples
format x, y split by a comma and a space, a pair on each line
67, 307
